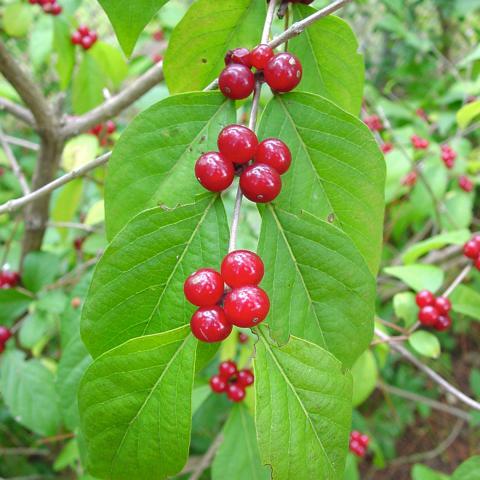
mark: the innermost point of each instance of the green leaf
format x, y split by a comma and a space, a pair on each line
12, 304
425, 343
35, 326
199, 42
468, 470
332, 66
337, 173
67, 202
96, 213
135, 404
305, 384
65, 51
421, 472
28, 390
153, 162
365, 375
67, 457
130, 18
17, 19
137, 288
468, 113
405, 307
79, 151
319, 285
39, 269
240, 443
466, 300
458, 214
111, 61
40, 41
418, 276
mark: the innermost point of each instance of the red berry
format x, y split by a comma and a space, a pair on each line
465, 183
373, 122
425, 298
471, 249
364, 440
477, 263
243, 337
33, 2
443, 322
236, 81
443, 305
157, 58
87, 41
76, 38
241, 268
260, 183
93, 36
5, 334
419, 143
410, 179
214, 171
245, 378
83, 30
357, 448
387, 147
237, 143
283, 72
78, 243
240, 56
158, 36
355, 435
246, 306
235, 392
204, 288
97, 129
209, 324
275, 153
227, 370
218, 384
111, 127
428, 316
260, 56
56, 9
9, 279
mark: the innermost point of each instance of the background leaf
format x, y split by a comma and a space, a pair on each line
425, 343
417, 276
39, 269
65, 51
88, 85
365, 375
466, 300
468, 470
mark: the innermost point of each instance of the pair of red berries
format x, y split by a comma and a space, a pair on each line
471, 250
103, 131
465, 183
50, 7
9, 279
5, 335
448, 156
238, 145
84, 37
245, 305
419, 143
281, 71
358, 443
373, 122
232, 381
434, 311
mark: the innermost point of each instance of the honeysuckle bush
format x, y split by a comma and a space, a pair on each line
102, 377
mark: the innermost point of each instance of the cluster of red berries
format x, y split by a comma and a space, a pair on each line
465, 183
232, 381
260, 182
434, 311
281, 71
103, 131
471, 250
448, 156
50, 7
9, 279
419, 143
84, 37
358, 443
245, 305
5, 335
373, 122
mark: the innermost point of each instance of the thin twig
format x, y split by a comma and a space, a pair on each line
458, 280
17, 171
73, 225
9, 241
20, 142
23, 451
207, 458
17, 111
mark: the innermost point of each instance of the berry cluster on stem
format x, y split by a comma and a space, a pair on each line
358, 443
9, 279
419, 143
465, 183
471, 250
5, 335
433, 311
448, 156
373, 122
84, 37
103, 131
50, 7
232, 381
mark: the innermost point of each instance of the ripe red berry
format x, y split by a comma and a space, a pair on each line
465, 183
204, 288
209, 324
419, 143
158, 36
87, 42
260, 183
5, 334
410, 179
373, 122
77, 38
56, 9
443, 305
428, 316
227, 369
477, 263
425, 298
237, 143
235, 392
97, 129
218, 384
246, 306
9, 279
110, 127
83, 30
245, 378
357, 448
283, 72
471, 249
260, 56
236, 81
241, 268
240, 56
214, 171
275, 153
444, 322
387, 147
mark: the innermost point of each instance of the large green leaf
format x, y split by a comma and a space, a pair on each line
135, 404
88, 84
137, 286
466, 300
303, 409
365, 376
468, 470
130, 18
239, 442
153, 162
200, 41
337, 173
418, 276
12, 304
319, 285
332, 66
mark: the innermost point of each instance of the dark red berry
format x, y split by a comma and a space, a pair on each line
227, 369
373, 122
56, 9
214, 171
218, 384
246, 306
204, 288
283, 72
260, 56
97, 129
357, 448
110, 127
77, 38
5, 334
83, 30
236, 81
471, 249
275, 153
238, 55
419, 143
428, 316
87, 42
465, 183
387, 147
237, 143
209, 324
93, 36
241, 268
424, 298
260, 183
158, 36
243, 337
9, 279
443, 305
477, 263
245, 378
444, 322
235, 392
